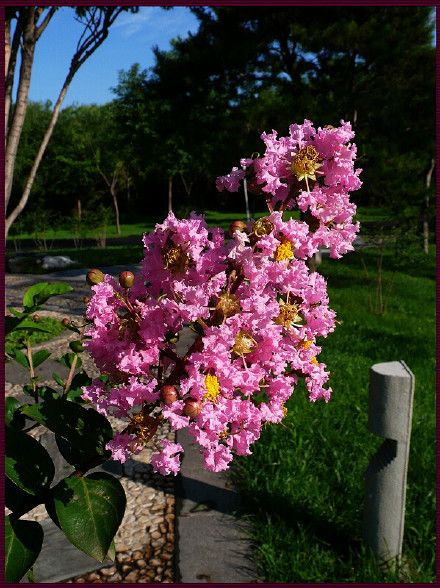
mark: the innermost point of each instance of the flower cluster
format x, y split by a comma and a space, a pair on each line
217, 329
312, 170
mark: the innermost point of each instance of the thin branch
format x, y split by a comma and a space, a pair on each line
41, 28
68, 382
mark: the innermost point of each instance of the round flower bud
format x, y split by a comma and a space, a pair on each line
86, 299
169, 394
126, 279
36, 318
237, 225
192, 408
65, 322
94, 276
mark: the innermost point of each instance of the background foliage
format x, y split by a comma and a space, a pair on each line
204, 103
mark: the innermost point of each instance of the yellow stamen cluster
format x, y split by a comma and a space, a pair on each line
314, 361
223, 434
228, 304
305, 163
143, 426
288, 314
305, 344
284, 250
212, 387
175, 259
262, 226
243, 343
285, 411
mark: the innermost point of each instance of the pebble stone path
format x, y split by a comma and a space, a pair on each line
146, 538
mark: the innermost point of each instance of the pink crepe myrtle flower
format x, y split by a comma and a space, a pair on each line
167, 461
254, 306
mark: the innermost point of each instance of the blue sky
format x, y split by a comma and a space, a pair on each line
130, 41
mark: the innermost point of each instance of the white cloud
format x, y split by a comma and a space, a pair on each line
155, 23
133, 23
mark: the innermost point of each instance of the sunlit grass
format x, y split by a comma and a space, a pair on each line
303, 486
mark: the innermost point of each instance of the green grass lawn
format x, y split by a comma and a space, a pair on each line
303, 486
213, 218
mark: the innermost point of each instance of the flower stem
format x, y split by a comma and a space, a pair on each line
70, 375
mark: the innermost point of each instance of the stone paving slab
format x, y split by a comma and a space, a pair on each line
214, 544
59, 559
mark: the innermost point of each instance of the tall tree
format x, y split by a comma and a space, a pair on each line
30, 23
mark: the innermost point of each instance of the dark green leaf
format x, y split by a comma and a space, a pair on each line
13, 418
27, 463
39, 293
21, 358
23, 541
10, 323
39, 357
75, 393
89, 510
20, 501
76, 346
67, 360
73, 328
111, 555
58, 379
47, 393
27, 389
85, 430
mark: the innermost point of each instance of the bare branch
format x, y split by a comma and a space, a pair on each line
40, 29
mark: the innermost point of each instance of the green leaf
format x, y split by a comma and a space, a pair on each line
75, 393
85, 430
89, 510
73, 328
13, 418
20, 501
67, 360
27, 463
30, 326
40, 356
11, 323
20, 358
111, 555
39, 293
17, 313
23, 541
58, 379
76, 346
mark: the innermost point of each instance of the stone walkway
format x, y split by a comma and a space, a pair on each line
211, 546
145, 540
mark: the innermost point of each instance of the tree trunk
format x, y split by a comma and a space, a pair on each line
26, 35
115, 202
30, 180
425, 221
78, 205
14, 133
186, 185
95, 32
170, 194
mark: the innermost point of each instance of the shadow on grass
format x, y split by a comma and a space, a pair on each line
300, 518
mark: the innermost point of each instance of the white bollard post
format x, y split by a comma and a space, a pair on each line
389, 416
